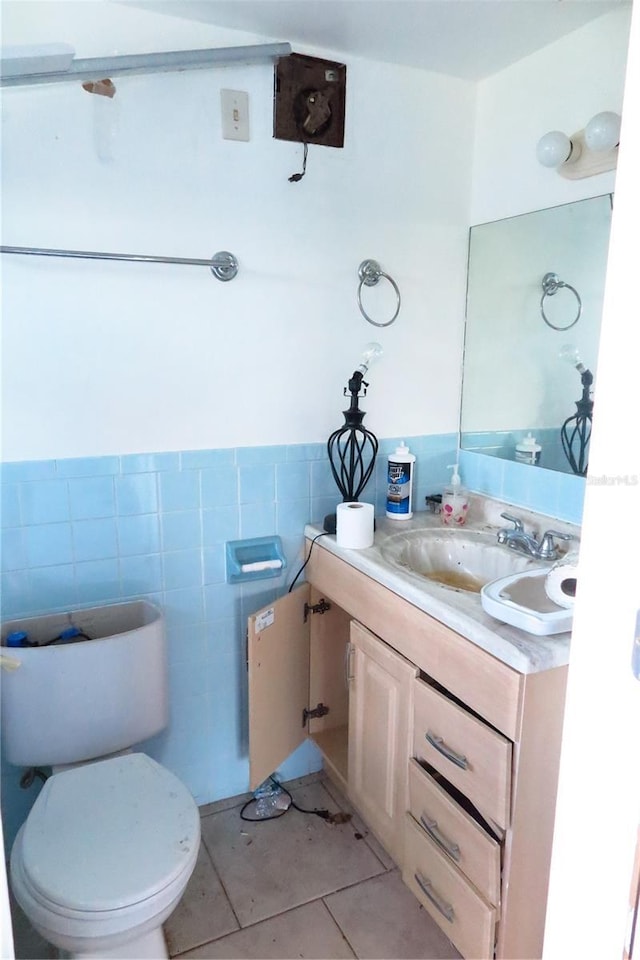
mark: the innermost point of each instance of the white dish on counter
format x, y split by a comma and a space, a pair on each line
520, 600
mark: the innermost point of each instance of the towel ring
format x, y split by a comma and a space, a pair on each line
551, 283
370, 272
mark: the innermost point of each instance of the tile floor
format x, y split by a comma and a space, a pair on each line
293, 887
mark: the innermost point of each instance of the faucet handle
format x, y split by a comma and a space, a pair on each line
548, 550
514, 520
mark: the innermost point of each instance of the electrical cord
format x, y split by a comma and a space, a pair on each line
324, 814
30, 774
306, 561
297, 177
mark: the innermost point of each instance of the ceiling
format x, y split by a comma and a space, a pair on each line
470, 39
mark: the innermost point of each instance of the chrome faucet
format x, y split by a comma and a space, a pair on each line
517, 539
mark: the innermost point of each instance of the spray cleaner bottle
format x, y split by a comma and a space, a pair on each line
400, 483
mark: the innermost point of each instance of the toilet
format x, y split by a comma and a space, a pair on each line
113, 837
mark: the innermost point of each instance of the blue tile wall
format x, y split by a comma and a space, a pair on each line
559, 495
87, 531
82, 532
502, 443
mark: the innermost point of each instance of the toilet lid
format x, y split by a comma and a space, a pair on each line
109, 834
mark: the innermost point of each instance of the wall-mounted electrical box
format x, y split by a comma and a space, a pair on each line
309, 100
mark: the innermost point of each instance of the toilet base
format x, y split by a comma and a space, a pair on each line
149, 946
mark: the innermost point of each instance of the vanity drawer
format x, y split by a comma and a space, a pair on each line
474, 757
454, 903
471, 848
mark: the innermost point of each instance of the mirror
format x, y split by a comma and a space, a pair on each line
527, 346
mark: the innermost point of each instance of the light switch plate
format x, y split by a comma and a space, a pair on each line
234, 105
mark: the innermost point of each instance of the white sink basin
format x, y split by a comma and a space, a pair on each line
458, 559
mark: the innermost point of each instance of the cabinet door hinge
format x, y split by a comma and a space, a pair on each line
321, 607
319, 711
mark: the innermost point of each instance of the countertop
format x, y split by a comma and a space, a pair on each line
458, 609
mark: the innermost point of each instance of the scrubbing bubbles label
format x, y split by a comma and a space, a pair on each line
399, 488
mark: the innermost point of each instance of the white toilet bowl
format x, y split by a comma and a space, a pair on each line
104, 857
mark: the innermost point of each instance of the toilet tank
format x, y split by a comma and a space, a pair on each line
69, 702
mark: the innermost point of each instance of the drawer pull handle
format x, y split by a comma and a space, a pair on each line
446, 751
446, 909
432, 828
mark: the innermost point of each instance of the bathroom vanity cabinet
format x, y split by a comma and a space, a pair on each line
449, 754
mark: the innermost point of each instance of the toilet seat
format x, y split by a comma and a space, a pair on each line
105, 838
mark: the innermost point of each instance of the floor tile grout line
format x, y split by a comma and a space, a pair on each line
203, 943
333, 790
336, 796
304, 903
296, 906
385, 867
345, 937
356, 883
222, 884
281, 913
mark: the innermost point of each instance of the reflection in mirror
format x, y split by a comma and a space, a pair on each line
534, 305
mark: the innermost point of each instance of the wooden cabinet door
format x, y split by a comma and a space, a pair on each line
278, 662
380, 711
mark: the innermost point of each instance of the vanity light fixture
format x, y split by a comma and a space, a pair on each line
352, 449
586, 153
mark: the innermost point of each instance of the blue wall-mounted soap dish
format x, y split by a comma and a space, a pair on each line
257, 559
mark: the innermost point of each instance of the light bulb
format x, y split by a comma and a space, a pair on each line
569, 352
553, 149
372, 352
603, 131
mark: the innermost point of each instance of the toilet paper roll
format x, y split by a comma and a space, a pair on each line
354, 525
561, 582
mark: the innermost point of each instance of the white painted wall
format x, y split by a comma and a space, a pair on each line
115, 358
102, 358
558, 88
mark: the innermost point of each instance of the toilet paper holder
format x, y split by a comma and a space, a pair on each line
259, 558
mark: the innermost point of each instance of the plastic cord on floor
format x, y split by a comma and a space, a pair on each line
325, 814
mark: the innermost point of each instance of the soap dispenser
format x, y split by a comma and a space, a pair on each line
455, 500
